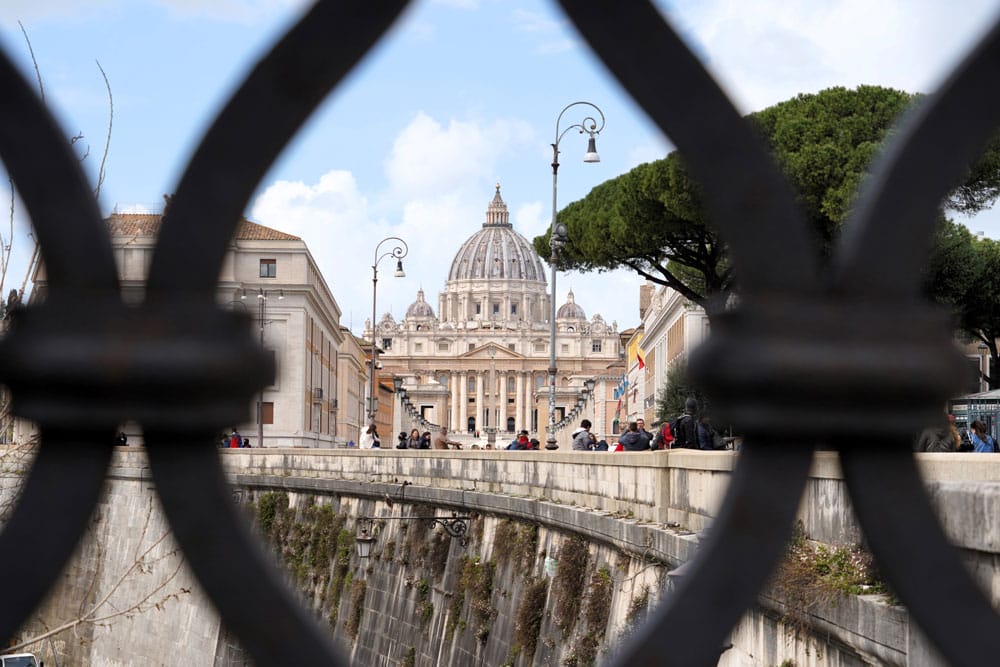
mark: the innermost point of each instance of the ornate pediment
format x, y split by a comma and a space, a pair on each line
499, 353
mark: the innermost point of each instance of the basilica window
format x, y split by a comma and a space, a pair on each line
496, 308
472, 346
539, 381
444, 347
418, 347
595, 346
479, 308
565, 348
471, 386
510, 346
510, 385
513, 309
386, 343
539, 347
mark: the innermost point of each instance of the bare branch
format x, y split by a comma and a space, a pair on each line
107, 141
38, 72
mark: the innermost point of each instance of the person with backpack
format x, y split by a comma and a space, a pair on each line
982, 442
684, 428
708, 437
664, 438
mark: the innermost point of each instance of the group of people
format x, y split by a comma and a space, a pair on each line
523, 442
949, 439
414, 440
234, 440
689, 430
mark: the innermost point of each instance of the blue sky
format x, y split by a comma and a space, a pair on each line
460, 95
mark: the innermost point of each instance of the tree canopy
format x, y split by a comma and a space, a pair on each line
653, 220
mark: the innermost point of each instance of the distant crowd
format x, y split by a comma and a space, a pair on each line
950, 439
690, 430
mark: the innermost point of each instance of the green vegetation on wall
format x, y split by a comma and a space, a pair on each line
813, 574
569, 582
530, 613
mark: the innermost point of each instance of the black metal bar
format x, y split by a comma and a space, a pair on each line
229, 562
263, 115
919, 563
802, 356
58, 498
749, 198
909, 182
744, 546
54, 190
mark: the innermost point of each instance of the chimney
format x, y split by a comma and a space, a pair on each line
645, 297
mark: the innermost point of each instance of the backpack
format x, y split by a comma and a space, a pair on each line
684, 433
663, 438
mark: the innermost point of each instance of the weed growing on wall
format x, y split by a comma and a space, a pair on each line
569, 581
584, 653
813, 574
598, 609
530, 612
476, 582
637, 608
515, 542
353, 623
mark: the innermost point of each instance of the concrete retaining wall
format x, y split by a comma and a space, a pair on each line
640, 512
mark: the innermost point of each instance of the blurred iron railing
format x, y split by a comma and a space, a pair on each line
799, 361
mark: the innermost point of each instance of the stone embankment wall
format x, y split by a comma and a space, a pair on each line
566, 553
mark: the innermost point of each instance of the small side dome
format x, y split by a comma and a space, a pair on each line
570, 309
420, 308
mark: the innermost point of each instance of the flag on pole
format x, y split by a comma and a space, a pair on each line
642, 364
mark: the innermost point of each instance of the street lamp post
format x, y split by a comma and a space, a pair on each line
399, 252
557, 238
262, 320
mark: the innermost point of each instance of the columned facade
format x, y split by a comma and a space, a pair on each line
490, 338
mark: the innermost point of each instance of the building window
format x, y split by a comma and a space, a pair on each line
471, 386
496, 308
268, 268
444, 347
418, 347
510, 385
513, 309
479, 308
266, 413
565, 348
472, 346
539, 347
510, 346
539, 381
595, 346
386, 343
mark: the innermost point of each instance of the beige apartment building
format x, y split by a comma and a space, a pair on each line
271, 277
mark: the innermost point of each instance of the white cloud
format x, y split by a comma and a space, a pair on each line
532, 219
766, 51
428, 157
439, 185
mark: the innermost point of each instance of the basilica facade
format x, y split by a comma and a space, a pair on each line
480, 360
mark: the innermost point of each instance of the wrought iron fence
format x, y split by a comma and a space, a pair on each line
787, 363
